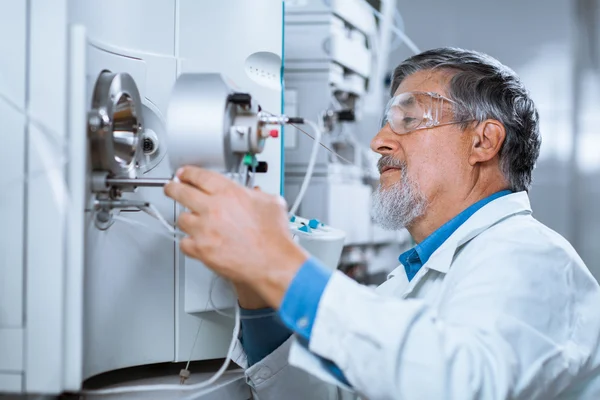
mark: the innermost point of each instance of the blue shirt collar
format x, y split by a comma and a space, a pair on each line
413, 259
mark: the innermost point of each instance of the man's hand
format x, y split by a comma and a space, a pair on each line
239, 233
248, 298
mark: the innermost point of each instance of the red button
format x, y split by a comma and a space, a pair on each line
274, 133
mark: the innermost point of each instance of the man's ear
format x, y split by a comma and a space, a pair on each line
487, 139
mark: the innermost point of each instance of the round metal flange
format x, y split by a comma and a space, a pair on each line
115, 124
199, 118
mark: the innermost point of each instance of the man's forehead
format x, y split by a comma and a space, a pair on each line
425, 81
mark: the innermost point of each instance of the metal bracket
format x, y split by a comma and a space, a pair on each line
104, 210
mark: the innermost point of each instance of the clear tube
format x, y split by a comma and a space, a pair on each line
311, 166
399, 21
50, 149
401, 35
56, 140
145, 226
156, 214
34, 174
218, 311
210, 300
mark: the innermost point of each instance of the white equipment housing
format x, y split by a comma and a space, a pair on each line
81, 300
328, 64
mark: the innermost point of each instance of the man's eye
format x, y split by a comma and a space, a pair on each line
410, 122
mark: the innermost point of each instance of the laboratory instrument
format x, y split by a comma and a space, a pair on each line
99, 110
330, 69
100, 293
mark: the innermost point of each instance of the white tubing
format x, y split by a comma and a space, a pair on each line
148, 227
311, 166
373, 105
401, 35
156, 214
177, 388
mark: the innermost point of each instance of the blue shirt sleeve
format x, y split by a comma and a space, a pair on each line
262, 333
299, 307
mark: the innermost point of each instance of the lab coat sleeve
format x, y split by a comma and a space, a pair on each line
500, 333
273, 378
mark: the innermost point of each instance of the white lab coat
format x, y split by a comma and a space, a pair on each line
505, 308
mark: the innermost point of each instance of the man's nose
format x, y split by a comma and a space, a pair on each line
385, 142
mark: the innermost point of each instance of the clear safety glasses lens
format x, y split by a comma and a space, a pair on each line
410, 111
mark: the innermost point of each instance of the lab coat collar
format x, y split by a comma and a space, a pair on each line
488, 215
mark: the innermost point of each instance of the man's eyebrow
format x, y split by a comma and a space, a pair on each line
406, 101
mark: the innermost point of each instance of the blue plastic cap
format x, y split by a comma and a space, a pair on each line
314, 223
304, 228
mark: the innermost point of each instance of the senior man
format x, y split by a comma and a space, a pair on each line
490, 304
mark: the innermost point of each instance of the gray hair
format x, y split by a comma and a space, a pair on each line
483, 88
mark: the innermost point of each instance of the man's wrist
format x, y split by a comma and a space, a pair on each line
279, 275
248, 298
299, 307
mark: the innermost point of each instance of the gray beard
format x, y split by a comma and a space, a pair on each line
398, 206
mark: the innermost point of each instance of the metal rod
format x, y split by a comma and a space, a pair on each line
108, 203
147, 182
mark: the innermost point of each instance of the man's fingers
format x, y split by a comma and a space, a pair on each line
188, 247
187, 221
187, 196
207, 181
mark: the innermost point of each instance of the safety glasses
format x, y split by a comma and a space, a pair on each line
411, 111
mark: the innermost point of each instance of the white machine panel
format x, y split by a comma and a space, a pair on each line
197, 295
46, 201
99, 59
128, 265
328, 42
253, 64
13, 25
355, 12
11, 214
11, 382
11, 348
133, 25
290, 137
94, 300
350, 51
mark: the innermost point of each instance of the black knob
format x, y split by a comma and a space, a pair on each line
346, 115
262, 167
240, 99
